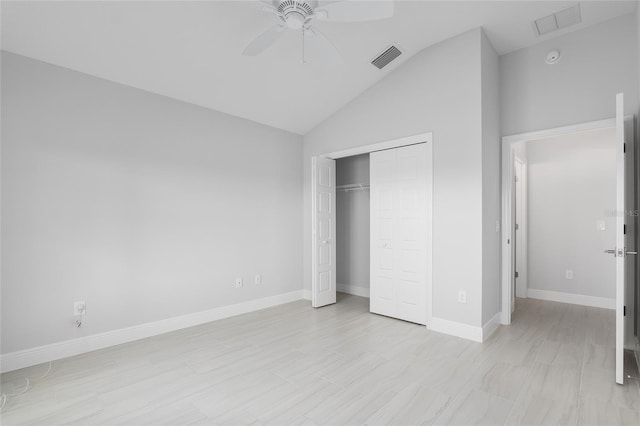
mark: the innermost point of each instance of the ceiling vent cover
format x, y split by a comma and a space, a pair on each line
386, 57
563, 19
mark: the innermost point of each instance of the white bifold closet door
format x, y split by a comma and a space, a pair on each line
400, 211
323, 189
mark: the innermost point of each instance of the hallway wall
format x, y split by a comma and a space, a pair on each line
571, 193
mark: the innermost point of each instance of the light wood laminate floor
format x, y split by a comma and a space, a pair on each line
293, 364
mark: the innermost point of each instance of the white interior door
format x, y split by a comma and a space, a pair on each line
400, 215
323, 195
620, 251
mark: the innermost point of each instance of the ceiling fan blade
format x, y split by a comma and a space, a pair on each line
264, 41
356, 11
318, 48
268, 6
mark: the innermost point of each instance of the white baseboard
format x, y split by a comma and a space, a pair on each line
457, 329
38, 355
491, 326
574, 299
306, 294
353, 289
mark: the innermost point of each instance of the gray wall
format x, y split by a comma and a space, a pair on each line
145, 207
597, 62
437, 90
352, 225
571, 184
491, 201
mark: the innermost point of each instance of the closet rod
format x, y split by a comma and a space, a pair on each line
353, 187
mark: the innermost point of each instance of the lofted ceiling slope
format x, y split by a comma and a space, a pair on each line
191, 51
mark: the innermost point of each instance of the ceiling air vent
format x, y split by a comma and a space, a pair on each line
383, 59
563, 19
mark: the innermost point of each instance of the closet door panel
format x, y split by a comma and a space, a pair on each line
383, 171
398, 232
323, 288
411, 240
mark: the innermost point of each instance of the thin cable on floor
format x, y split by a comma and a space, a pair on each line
46, 373
22, 391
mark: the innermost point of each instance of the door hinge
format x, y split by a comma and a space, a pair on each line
517, 226
624, 229
516, 274
624, 311
624, 148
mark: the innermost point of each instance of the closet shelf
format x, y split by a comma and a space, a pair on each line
353, 187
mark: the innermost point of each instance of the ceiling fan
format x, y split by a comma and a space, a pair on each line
294, 15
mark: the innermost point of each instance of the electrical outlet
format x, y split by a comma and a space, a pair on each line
258, 279
462, 296
238, 282
79, 308
568, 274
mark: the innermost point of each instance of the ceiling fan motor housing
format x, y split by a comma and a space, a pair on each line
300, 14
295, 12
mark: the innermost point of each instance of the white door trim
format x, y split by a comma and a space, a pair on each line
395, 143
521, 241
379, 146
508, 142
621, 243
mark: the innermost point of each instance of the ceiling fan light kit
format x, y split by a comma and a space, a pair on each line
294, 15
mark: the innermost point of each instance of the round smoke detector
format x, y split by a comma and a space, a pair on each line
552, 57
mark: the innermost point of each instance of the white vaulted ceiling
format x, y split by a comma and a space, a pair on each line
191, 51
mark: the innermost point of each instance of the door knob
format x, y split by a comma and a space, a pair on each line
325, 241
631, 252
613, 252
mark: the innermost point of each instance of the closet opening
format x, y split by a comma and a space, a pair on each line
371, 227
352, 225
